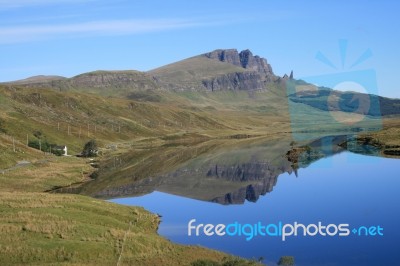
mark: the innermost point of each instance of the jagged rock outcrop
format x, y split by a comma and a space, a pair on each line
257, 64
235, 81
230, 56
285, 78
244, 59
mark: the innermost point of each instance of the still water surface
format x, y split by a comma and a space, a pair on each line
346, 188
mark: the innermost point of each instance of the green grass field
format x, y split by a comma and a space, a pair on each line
41, 228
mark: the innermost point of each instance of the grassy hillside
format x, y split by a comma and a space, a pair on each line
72, 118
77, 230
45, 172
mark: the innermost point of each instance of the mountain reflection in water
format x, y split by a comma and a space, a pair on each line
224, 174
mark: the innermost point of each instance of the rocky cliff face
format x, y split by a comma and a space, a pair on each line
230, 56
235, 81
244, 59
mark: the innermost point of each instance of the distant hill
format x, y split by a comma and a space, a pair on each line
352, 102
41, 79
106, 83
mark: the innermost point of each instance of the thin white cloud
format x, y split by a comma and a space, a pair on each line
15, 34
5, 4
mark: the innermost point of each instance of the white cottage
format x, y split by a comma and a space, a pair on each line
62, 148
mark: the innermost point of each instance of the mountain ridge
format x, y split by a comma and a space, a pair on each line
221, 69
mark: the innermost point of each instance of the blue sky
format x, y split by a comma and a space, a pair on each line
68, 37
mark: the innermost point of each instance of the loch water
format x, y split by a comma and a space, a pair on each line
353, 186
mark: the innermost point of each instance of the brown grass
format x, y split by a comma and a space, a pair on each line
38, 228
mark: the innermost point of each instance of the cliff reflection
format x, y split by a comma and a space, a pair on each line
224, 172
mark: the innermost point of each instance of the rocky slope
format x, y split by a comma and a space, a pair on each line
217, 71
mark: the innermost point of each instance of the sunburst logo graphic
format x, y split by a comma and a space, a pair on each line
343, 45
358, 94
350, 97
